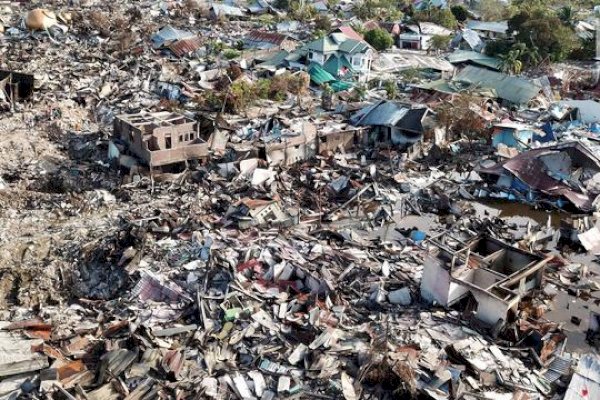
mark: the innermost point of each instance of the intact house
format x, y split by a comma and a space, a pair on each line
485, 275
418, 36
340, 55
392, 123
161, 138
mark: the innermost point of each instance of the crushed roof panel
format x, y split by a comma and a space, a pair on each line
511, 88
489, 26
269, 37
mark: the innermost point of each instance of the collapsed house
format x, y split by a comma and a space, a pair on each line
247, 213
489, 30
262, 40
564, 175
177, 41
407, 60
161, 138
392, 123
462, 58
510, 138
509, 90
490, 276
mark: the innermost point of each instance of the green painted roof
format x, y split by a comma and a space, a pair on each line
352, 46
322, 45
327, 45
514, 89
274, 61
460, 56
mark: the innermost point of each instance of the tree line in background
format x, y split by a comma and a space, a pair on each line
539, 30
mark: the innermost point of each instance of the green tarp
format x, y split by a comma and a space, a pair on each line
320, 77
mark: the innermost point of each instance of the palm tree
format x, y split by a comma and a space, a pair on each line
567, 15
427, 5
510, 62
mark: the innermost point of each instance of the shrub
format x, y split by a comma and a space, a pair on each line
379, 38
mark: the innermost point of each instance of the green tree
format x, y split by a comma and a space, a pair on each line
546, 32
323, 23
460, 12
379, 38
359, 93
439, 42
444, 18
391, 89
566, 15
492, 10
511, 62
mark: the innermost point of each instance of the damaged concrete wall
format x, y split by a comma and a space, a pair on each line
490, 309
435, 285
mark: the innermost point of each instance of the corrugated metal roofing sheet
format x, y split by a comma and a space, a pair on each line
225, 9
511, 88
488, 26
169, 34
472, 38
383, 113
318, 75
350, 33
269, 37
460, 56
185, 46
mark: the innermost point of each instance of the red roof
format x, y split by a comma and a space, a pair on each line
350, 33
269, 37
185, 46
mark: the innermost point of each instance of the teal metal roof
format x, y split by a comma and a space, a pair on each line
326, 44
352, 46
318, 75
335, 63
274, 61
461, 56
323, 45
510, 88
